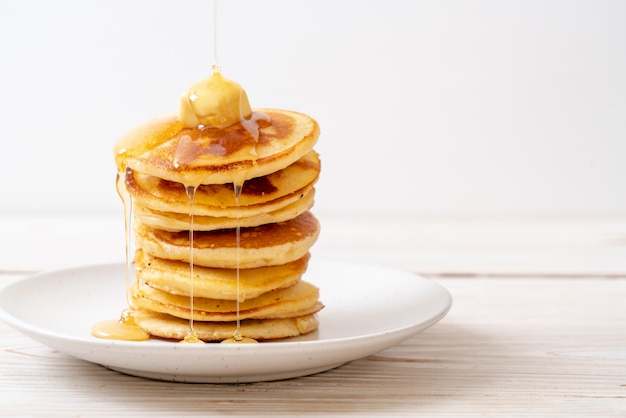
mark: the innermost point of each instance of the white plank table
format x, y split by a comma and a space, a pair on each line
521, 339
449, 245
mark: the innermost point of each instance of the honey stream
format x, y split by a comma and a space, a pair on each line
124, 328
198, 111
237, 338
192, 336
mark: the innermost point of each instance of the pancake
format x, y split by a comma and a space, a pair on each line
170, 327
173, 277
294, 301
180, 222
237, 185
169, 221
164, 148
265, 245
258, 195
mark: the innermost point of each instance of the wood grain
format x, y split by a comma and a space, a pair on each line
509, 347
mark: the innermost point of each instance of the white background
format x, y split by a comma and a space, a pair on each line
426, 107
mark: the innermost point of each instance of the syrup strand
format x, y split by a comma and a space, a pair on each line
237, 338
191, 197
127, 202
238, 187
124, 328
215, 51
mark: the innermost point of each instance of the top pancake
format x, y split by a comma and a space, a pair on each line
164, 148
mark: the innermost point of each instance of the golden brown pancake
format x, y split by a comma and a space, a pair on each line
270, 154
216, 156
258, 195
170, 327
265, 245
173, 277
302, 202
297, 300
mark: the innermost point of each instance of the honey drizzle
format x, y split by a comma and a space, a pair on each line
127, 202
216, 66
124, 328
237, 338
237, 188
192, 336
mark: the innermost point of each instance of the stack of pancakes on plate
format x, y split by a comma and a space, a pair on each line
171, 172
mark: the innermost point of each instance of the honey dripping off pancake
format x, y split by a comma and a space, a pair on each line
227, 191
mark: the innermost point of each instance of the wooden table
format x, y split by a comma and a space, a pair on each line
523, 339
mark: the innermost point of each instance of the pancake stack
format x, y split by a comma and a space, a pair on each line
222, 224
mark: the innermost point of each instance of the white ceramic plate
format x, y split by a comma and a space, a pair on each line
368, 309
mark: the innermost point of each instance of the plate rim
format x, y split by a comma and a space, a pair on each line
37, 332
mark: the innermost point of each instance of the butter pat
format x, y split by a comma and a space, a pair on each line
215, 102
